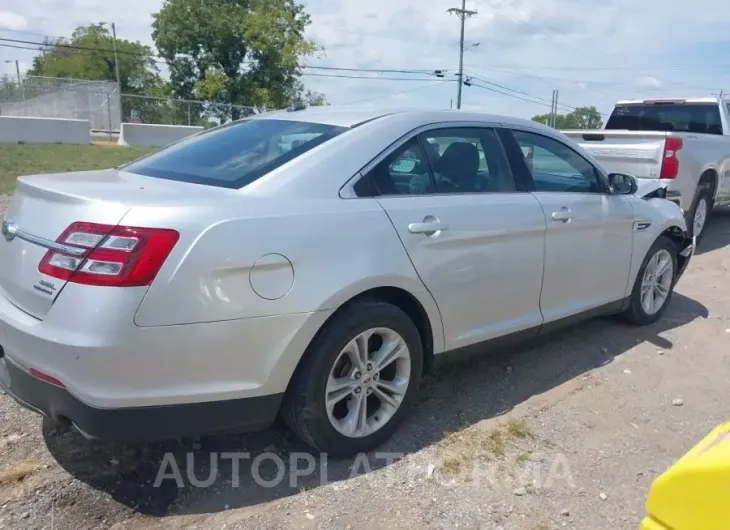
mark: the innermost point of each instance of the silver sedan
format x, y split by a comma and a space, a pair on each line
315, 264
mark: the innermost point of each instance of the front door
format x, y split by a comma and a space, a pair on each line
588, 244
475, 240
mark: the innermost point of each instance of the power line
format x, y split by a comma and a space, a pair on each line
383, 70
398, 93
519, 92
340, 76
651, 67
368, 77
537, 100
74, 47
51, 45
479, 70
512, 95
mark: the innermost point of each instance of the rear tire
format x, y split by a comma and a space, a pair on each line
657, 272
699, 213
305, 408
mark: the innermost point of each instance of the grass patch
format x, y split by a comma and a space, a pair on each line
518, 428
19, 160
462, 448
19, 473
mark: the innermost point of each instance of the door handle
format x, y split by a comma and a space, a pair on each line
428, 227
563, 215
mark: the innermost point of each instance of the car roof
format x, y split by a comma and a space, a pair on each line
351, 116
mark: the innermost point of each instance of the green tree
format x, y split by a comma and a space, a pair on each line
88, 54
580, 118
244, 52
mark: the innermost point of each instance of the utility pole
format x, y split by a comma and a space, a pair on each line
551, 120
116, 59
20, 82
555, 114
463, 14
116, 70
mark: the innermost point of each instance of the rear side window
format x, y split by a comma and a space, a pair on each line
682, 117
236, 154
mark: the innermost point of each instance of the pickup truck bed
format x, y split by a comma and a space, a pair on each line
695, 166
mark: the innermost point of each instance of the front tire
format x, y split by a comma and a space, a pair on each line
357, 379
699, 213
654, 284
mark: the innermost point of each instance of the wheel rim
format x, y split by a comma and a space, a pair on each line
367, 382
657, 281
700, 217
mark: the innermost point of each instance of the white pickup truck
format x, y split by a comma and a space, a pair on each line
685, 143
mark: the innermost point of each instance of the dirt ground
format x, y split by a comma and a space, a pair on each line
568, 433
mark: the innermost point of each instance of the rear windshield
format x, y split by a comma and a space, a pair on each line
236, 154
695, 118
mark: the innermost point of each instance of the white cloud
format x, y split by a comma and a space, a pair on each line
10, 20
649, 81
593, 51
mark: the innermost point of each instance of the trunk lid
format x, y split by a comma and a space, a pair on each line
43, 206
637, 153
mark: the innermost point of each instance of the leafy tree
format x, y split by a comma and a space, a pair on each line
580, 118
243, 52
92, 57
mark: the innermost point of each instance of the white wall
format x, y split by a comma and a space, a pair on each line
17, 129
154, 135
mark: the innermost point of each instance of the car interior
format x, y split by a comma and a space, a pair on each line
449, 165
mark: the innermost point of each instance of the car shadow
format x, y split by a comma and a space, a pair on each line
717, 232
170, 477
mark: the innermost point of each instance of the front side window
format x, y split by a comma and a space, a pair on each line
236, 154
555, 166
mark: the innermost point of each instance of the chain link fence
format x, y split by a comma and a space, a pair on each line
148, 109
101, 104
56, 97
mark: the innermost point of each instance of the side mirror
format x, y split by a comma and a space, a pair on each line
622, 184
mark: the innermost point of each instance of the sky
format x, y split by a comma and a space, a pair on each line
594, 52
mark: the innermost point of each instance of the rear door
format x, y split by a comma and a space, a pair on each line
473, 233
588, 243
33, 222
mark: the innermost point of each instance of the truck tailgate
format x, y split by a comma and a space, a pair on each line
637, 153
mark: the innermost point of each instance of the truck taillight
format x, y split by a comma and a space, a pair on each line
670, 162
115, 256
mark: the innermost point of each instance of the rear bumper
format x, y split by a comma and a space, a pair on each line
107, 362
135, 424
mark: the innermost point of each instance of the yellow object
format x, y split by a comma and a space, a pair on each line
694, 494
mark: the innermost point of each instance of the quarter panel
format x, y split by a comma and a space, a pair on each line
335, 248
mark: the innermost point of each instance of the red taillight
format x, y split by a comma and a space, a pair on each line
670, 162
116, 256
46, 378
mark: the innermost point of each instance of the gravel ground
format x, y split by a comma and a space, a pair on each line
565, 434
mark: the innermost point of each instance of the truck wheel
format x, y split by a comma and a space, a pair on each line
654, 284
357, 380
697, 215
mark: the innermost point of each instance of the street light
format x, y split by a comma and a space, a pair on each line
472, 45
17, 72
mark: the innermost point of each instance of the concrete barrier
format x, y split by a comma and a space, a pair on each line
149, 135
28, 130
